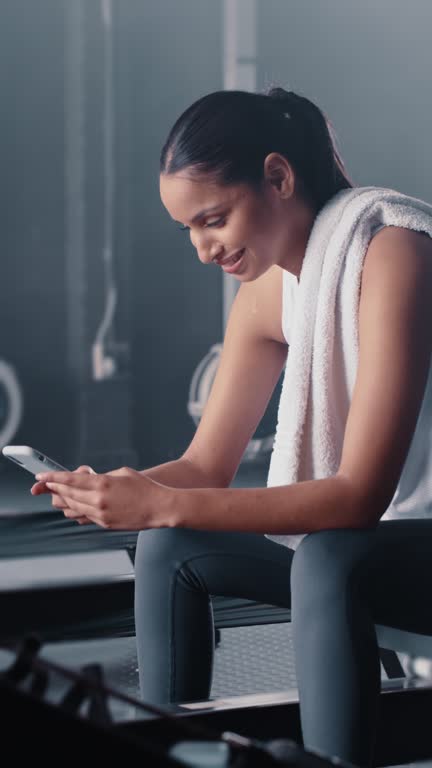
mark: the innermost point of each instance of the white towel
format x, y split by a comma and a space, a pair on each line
323, 356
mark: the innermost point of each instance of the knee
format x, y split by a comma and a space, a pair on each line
166, 549
328, 562
156, 546
165, 555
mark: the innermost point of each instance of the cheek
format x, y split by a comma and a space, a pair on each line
254, 230
262, 226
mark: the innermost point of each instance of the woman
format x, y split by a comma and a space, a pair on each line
247, 176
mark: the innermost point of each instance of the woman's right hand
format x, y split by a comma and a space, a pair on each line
38, 488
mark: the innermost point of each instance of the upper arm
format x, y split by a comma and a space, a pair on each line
395, 318
249, 368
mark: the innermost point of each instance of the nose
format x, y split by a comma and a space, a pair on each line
206, 250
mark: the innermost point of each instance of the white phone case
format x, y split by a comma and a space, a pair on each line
30, 459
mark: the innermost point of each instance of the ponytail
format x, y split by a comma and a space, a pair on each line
318, 161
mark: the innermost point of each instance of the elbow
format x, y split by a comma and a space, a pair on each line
364, 505
204, 475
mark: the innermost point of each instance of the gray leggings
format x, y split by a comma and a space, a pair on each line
337, 584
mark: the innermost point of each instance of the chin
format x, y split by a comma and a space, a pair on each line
261, 269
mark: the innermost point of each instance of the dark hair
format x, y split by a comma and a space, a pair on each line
227, 134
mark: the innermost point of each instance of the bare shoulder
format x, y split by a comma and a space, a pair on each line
398, 242
263, 299
398, 260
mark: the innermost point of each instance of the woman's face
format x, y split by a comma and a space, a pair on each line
242, 230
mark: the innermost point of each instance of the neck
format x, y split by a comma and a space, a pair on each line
292, 261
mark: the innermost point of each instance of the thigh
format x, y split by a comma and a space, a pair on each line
232, 564
400, 574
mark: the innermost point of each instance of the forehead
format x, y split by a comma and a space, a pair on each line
184, 197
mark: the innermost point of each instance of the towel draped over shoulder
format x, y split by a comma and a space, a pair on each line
323, 355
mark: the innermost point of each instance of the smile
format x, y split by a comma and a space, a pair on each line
234, 263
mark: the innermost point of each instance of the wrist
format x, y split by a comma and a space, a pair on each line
168, 514
177, 504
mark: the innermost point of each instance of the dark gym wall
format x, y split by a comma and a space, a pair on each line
174, 57
167, 55
32, 285
368, 66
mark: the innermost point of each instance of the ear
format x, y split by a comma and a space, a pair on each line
279, 173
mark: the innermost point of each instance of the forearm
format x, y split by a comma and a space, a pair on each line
299, 508
181, 473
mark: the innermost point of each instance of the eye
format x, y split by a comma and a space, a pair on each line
216, 223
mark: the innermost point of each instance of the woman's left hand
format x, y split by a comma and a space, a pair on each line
121, 499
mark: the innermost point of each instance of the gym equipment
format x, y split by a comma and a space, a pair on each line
227, 734
97, 333
11, 403
185, 742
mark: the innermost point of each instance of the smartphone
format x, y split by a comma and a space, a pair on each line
31, 460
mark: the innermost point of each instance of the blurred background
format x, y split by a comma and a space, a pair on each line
110, 327
105, 310
97, 281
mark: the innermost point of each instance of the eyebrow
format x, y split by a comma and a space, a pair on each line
206, 211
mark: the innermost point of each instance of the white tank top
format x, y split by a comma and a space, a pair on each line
416, 500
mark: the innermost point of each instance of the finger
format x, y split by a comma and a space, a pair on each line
82, 520
72, 479
76, 509
71, 494
38, 488
42, 477
58, 502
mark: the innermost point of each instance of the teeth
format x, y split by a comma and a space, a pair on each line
234, 259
